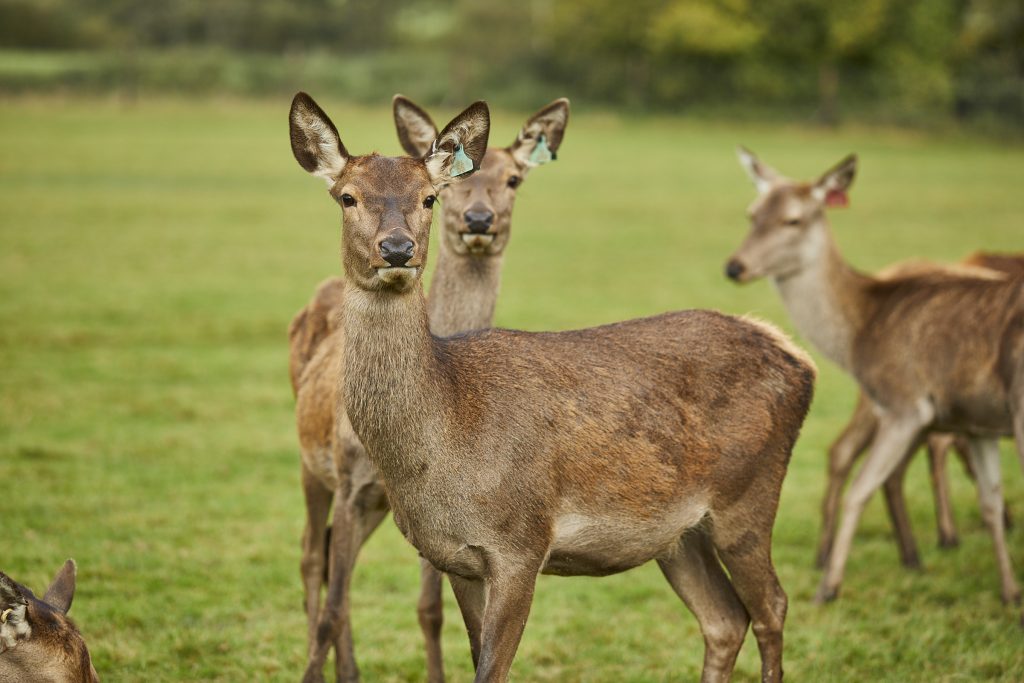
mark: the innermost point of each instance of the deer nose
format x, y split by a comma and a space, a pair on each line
397, 250
478, 220
734, 269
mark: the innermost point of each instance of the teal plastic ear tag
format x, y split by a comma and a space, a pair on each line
461, 164
541, 153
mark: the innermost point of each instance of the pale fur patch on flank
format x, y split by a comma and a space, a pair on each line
923, 266
783, 340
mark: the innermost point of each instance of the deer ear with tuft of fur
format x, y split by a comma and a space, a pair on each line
315, 141
541, 136
459, 149
832, 187
416, 130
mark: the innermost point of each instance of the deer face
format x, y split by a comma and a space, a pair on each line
386, 203
37, 640
477, 213
787, 231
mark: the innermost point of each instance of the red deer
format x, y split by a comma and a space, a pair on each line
476, 226
507, 454
933, 350
37, 640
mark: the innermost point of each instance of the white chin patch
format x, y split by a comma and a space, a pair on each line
397, 275
477, 242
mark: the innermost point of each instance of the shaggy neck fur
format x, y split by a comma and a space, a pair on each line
826, 297
463, 292
392, 379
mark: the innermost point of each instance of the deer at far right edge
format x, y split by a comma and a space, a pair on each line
966, 371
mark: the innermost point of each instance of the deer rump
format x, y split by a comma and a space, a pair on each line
608, 442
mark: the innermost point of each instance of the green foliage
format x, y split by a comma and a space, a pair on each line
152, 254
913, 61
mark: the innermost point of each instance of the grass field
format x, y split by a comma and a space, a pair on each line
151, 258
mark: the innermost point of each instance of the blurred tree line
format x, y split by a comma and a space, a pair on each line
896, 60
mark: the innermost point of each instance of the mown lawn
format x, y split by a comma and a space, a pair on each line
152, 255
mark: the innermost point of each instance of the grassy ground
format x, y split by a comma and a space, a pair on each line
151, 258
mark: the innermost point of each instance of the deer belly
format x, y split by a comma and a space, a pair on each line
600, 545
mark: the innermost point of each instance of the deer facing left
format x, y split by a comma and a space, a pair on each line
37, 640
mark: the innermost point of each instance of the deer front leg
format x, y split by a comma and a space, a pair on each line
939, 446
431, 617
471, 594
852, 441
509, 596
314, 558
895, 437
896, 504
985, 461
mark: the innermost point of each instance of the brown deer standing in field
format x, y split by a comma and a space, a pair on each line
855, 438
477, 221
37, 640
508, 454
933, 351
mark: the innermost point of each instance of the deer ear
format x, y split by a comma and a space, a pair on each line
761, 174
541, 135
62, 589
13, 607
460, 148
831, 188
315, 141
416, 130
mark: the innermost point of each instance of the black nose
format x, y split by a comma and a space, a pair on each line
733, 270
396, 250
479, 221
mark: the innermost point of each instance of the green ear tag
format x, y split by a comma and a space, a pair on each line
461, 164
541, 154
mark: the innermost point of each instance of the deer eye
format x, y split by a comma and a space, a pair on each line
793, 222
429, 201
348, 200
514, 181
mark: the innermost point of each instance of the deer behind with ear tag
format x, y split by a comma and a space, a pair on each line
476, 226
937, 350
37, 640
507, 454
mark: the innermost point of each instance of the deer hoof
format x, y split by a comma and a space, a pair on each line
950, 542
825, 594
913, 562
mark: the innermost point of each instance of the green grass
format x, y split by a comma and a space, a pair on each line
152, 256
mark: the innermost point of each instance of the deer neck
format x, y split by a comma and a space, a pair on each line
391, 379
463, 292
826, 298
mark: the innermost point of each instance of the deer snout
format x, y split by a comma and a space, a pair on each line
478, 219
397, 250
735, 269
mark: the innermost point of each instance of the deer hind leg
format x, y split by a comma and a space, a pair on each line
895, 437
314, 556
844, 451
431, 617
896, 505
939, 446
741, 531
698, 579
334, 615
985, 459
